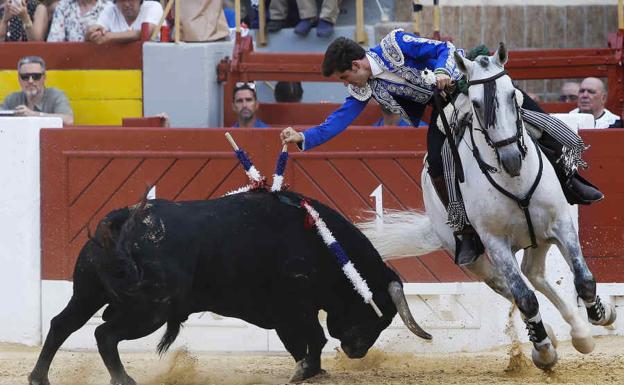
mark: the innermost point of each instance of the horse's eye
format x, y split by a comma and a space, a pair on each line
476, 105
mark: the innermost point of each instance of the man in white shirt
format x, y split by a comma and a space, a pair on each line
120, 21
591, 100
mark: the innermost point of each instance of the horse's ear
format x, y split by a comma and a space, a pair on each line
463, 64
500, 56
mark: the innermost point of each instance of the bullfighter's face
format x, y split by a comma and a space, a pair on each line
357, 76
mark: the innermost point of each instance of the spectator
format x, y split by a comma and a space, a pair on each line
288, 92
389, 118
569, 92
308, 12
591, 99
72, 19
16, 20
43, 19
245, 104
120, 22
282, 14
203, 20
35, 99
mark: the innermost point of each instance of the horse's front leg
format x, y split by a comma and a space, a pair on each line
534, 268
568, 242
544, 354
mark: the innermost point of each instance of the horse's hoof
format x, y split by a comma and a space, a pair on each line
545, 356
610, 315
583, 342
305, 370
32, 380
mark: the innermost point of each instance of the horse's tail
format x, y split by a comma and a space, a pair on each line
402, 234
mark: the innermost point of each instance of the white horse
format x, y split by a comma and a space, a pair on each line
503, 143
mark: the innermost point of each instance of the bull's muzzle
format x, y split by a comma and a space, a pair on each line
398, 297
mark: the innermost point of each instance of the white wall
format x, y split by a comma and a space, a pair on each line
20, 250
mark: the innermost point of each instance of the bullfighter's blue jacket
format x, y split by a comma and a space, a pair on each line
403, 54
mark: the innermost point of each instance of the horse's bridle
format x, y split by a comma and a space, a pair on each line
518, 137
524, 202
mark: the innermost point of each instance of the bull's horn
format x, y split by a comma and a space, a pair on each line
398, 297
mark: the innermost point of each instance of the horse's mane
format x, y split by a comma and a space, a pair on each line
489, 101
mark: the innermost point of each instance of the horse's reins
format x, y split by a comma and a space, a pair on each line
523, 203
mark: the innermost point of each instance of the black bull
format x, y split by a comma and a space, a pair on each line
248, 256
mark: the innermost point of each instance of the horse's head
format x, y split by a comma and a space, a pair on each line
495, 106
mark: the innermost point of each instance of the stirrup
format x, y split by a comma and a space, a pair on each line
469, 247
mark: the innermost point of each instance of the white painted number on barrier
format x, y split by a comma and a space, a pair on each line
378, 195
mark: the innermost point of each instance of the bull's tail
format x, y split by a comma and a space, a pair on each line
173, 329
402, 234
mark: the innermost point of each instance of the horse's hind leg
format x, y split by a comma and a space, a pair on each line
544, 354
129, 323
534, 268
73, 317
597, 312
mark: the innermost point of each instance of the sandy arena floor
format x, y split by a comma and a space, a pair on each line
604, 366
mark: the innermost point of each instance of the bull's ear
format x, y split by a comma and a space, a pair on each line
463, 64
500, 56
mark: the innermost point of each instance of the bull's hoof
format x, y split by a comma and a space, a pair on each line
126, 380
544, 355
306, 369
35, 380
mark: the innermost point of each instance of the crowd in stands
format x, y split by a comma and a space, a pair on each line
110, 21
100, 21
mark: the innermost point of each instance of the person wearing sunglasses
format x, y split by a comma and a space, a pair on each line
591, 100
569, 92
245, 105
36, 99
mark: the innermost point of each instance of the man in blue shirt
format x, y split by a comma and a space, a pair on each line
245, 104
401, 74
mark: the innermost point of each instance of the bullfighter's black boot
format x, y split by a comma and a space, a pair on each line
469, 246
576, 189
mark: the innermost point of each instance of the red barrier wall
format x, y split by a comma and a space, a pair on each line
86, 172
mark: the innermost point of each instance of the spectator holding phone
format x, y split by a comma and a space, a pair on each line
35, 99
16, 20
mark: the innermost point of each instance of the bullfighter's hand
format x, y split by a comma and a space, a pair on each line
443, 81
289, 135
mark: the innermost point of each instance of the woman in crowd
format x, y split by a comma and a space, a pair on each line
16, 20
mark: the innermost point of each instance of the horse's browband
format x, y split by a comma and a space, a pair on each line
481, 81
